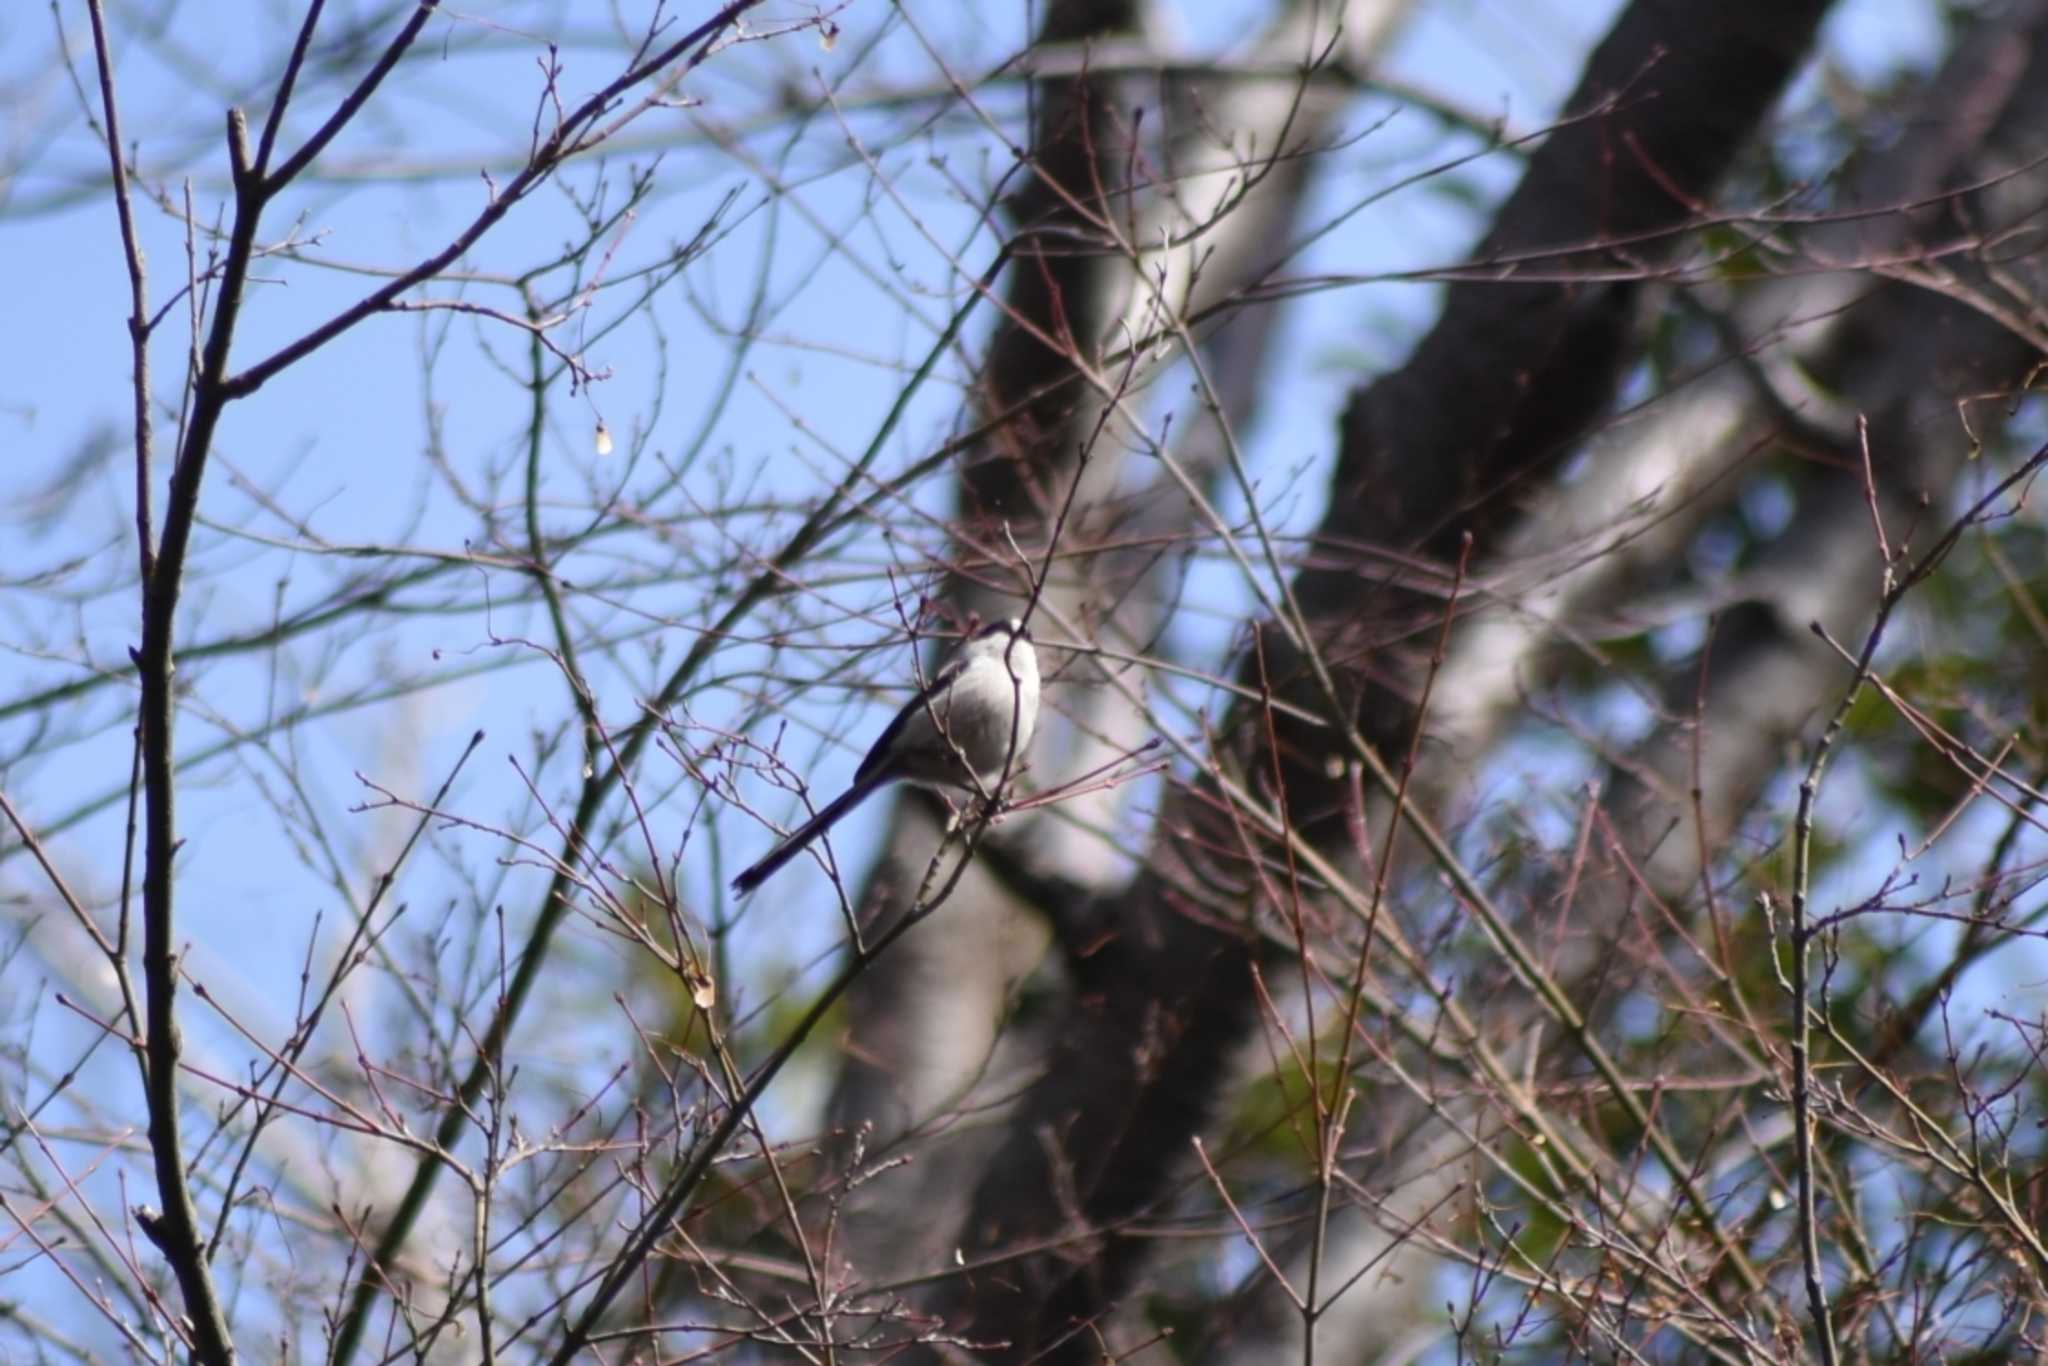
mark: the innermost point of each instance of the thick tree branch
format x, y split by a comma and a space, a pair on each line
1511, 376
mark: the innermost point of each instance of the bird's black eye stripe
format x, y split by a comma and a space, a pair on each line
1011, 627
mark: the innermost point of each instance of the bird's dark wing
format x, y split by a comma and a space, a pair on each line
878, 752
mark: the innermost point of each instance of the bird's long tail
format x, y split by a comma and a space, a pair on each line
793, 843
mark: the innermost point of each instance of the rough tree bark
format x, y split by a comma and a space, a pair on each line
1497, 394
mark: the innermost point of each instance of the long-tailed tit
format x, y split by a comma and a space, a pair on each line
968, 729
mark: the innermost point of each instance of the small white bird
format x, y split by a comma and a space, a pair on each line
966, 730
